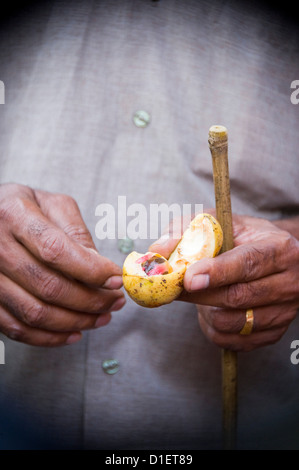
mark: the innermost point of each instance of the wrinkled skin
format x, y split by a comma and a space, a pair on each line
53, 282
261, 272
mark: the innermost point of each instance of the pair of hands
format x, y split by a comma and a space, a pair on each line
54, 284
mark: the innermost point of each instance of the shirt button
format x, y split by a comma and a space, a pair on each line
110, 366
141, 118
125, 245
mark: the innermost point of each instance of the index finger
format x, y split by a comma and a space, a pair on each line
51, 245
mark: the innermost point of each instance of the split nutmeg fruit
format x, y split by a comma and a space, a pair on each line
151, 280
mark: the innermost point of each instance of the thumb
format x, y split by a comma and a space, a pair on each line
164, 246
170, 236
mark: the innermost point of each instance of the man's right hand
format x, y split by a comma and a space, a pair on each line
53, 282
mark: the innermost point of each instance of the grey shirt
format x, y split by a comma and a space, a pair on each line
75, 73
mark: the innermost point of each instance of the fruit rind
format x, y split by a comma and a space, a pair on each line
153, 291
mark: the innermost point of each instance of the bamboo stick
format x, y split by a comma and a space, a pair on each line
218, 143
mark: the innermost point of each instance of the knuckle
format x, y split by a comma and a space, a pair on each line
102, 304
51, 288
284, 250
5, 211
238, 295
99, 306
286, 238
251, 261
291, 247
63, 200
77, 232
35, 315
13, 199
223, 321
52, 247
10, 207
216, 320
221, 273
95, 303
285, 316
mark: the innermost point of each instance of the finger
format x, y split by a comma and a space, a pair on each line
233, 320
237, 342
173, 234
51, 286
19, 331
170, 236
221, 319
168, 240
241, 264
64, 212
273, 289
37, 314
49, 244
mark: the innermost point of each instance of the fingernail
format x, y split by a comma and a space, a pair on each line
114, 282
118, 304
73, 338
200, 281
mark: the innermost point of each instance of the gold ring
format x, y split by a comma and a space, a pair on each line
247, 328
